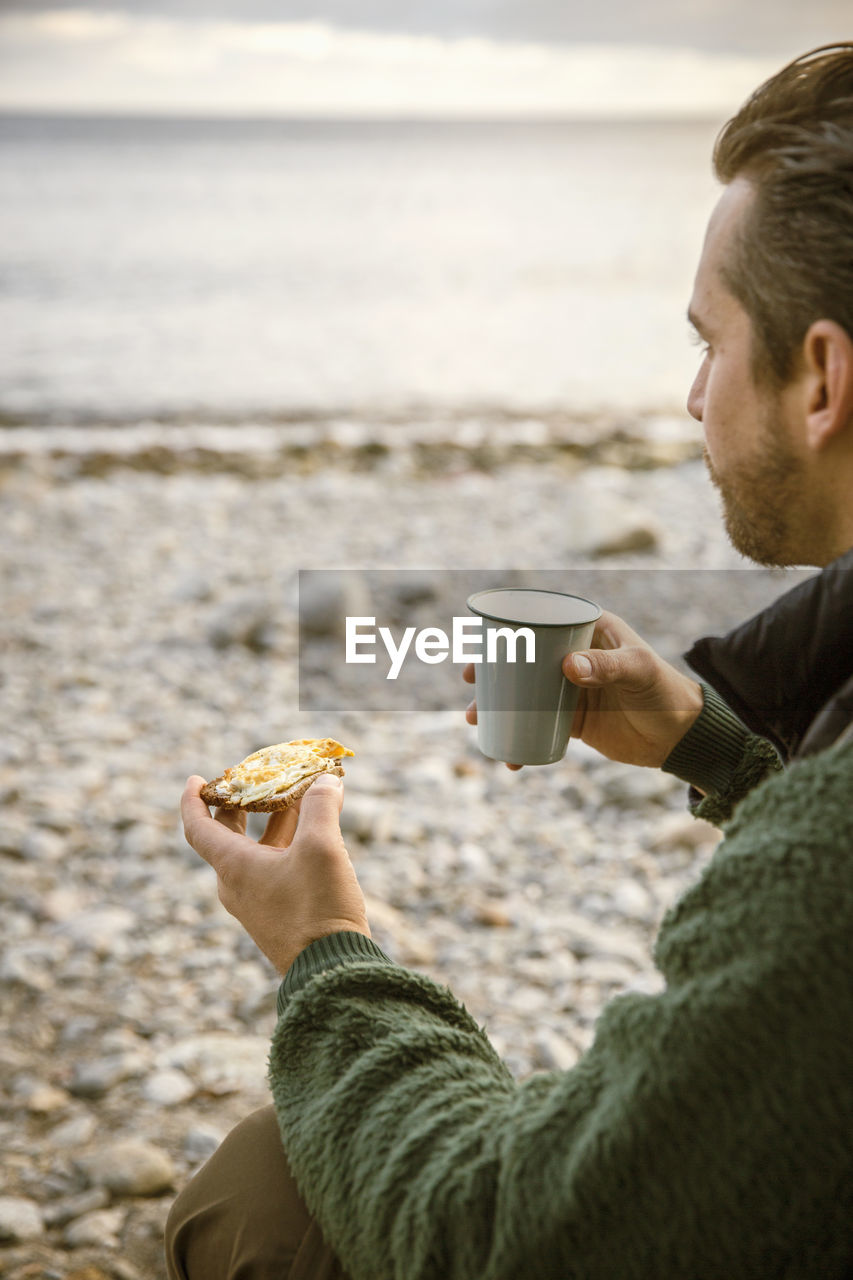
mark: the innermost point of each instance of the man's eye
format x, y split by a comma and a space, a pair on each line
698, 341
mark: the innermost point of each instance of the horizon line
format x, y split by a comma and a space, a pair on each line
213, 116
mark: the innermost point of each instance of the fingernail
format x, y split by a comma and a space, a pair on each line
582, 666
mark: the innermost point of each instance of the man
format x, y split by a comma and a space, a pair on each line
708, 1130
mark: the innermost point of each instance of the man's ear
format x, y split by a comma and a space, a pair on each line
828, 378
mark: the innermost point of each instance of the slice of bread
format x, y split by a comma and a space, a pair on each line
282, 800
275, 777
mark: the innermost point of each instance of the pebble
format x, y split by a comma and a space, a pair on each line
20, 1219
41, 845
201, 1142
101, 1227
102, 929
147, 642
328, 596
95, 1078
553, 1052
75, 1132
129, 1167
70, 1207
682, 831
366, 818
44, 1099
168, 1088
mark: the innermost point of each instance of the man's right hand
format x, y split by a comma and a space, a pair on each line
634, 706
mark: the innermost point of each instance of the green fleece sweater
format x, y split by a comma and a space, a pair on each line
707, 1132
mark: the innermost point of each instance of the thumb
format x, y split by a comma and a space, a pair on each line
631, 668
319, 811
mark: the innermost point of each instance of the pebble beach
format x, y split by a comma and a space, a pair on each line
149, 631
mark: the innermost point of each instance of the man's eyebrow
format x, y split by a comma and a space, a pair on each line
695, 323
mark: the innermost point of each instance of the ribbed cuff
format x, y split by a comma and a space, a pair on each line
712, 749
326, 953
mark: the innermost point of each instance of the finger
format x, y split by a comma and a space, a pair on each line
281, 827
578, 667
233, 819
633, 669
471, 713
468, 673
579, 716
612, 632
211, 840
319, 813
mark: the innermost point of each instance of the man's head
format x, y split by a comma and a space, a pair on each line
773, 301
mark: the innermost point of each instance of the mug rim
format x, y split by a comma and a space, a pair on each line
539, 591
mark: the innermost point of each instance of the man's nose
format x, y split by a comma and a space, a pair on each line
696, 396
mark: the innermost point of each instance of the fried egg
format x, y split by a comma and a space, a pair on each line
274, 770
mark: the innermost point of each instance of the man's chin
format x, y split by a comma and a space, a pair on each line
744, 540
760, 534
762, 537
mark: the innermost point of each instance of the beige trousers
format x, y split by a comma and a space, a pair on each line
242, 1218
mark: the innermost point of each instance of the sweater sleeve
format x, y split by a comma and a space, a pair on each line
704, 1133
720, 759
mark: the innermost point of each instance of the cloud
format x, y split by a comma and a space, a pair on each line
775, 28
94, 59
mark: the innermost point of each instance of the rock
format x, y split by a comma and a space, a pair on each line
601, 523
683, 831
70, 1207
20, 1219
78, 1029
75, 1132
632, 900
608, 972
102, 1228
192, 588
408, 944
129, 1167
13, 838
245, 622
367, 817
634, 787
102, 929
493, 915
62, 904
41, 845
201, 1142
140, 841
585, 938
19, 965
95, 1273
44, 1099
553, 1052
220, 1061
168, 1088
93, 1079
414, 587
327, 598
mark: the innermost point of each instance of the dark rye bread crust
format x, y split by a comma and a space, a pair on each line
273, 803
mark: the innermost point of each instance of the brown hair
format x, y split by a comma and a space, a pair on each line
792, 262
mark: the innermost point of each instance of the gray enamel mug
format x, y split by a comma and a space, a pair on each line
525, 705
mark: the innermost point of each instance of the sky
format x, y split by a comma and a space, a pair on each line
469, 58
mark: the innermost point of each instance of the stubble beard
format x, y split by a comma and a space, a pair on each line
762, 499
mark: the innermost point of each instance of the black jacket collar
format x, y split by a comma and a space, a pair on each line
788, 672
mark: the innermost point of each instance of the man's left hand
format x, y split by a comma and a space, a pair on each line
296, 884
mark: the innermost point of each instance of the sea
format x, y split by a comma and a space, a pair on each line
226, 269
